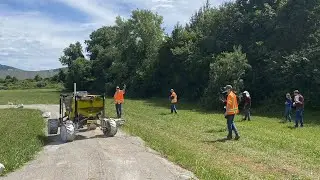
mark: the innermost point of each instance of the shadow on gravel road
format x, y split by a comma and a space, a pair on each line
56, 140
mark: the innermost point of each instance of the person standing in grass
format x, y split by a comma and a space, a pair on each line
288, 107
231, 111
247, 106
173, 99
119, 99
299, 105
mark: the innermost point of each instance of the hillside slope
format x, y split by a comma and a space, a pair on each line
22, 74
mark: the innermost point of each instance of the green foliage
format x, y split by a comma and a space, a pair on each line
227, 68
71, 53
280, 53
37, 82
37, 78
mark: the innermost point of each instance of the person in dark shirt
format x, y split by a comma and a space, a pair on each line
299, 105
247, 105
288, 107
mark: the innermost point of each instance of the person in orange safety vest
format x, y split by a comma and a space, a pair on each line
119, 99
231, 111
173, 99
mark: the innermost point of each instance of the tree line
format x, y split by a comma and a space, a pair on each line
268, 47
11, 82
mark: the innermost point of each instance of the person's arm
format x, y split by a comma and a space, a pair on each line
124, 89
228, 104
296, 100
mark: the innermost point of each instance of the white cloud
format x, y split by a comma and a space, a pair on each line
32, 41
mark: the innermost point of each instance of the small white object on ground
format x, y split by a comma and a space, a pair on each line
46, 114
19, 106
1, 168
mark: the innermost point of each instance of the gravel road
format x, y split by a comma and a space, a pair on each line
92, 156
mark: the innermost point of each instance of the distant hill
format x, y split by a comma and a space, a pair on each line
22, 74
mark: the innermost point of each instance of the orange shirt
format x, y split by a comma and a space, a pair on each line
118, 97
232, 104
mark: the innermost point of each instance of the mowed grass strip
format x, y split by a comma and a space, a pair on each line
267, 148
21, 136
30, 96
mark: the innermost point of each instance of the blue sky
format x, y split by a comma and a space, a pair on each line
33, 33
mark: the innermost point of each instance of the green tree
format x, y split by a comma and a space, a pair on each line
227, 68
37, 78
71, 53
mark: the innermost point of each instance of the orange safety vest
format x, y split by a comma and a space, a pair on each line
175, 97
118, 97
232, 104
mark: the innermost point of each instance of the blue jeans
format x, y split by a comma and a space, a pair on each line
173, 108
119, 110
287, 113
231, 125
299, 117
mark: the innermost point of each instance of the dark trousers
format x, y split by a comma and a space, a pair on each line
119, 110
231, 125
173, 108
247, 113
299, 117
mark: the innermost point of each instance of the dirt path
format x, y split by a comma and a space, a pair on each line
92, 156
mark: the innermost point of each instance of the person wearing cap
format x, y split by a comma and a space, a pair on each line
299, 105
231, 111
173, 99
119, 99
247, 105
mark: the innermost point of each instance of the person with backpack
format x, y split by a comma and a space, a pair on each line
288, 107
299, 105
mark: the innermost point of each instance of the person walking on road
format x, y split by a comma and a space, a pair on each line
288, 107
119, 99
231, 111
173, 99
247, 106
299, 105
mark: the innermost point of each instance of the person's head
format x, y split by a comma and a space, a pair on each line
296, 92
288, 96
117, 88
246, 93
227, 89
171, 90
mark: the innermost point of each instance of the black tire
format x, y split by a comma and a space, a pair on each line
111, 129
53, 125
65, 134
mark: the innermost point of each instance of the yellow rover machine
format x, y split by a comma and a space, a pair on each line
81, 109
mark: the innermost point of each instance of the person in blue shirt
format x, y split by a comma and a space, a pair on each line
288, 107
